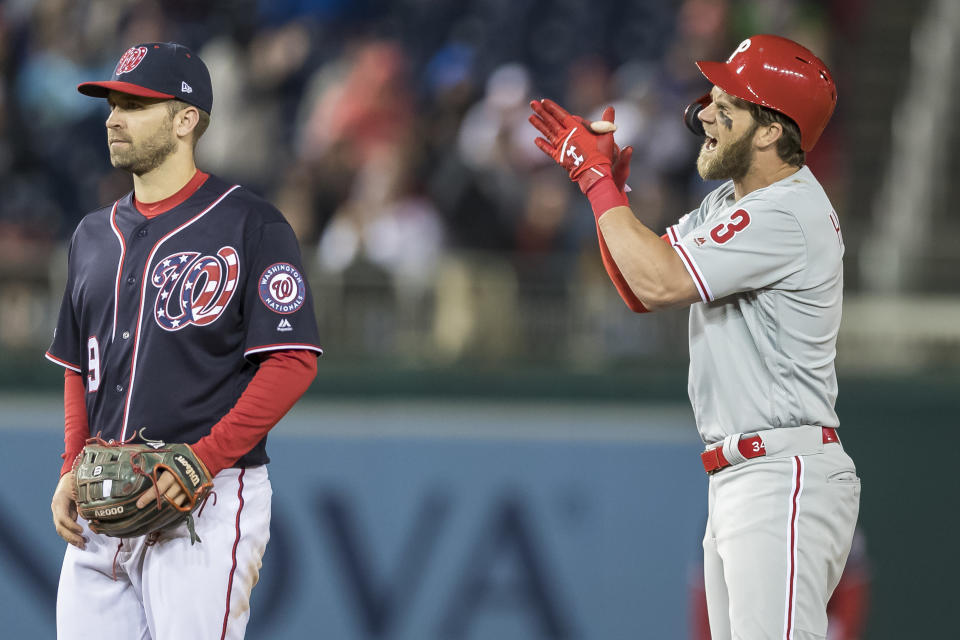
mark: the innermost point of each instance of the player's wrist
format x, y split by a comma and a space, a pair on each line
586, 178
604, 195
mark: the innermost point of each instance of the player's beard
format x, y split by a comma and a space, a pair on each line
145, 156
731, 162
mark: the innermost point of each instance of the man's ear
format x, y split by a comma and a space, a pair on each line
767, 135
185, 121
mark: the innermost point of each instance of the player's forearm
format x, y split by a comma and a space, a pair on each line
651, 267
76, 429
282, 378
613, 271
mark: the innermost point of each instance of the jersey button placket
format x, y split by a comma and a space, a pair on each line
131, 280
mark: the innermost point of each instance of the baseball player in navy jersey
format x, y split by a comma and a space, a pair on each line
759, 263
186, 319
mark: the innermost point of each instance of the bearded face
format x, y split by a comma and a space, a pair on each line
142, 154
719, 160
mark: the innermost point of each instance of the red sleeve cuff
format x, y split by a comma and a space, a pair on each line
604, 195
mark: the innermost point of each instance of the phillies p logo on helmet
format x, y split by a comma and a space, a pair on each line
130, 60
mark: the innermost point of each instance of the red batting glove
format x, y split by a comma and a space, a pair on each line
587, 156
621, 166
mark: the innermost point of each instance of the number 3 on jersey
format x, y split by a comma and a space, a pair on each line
723, 233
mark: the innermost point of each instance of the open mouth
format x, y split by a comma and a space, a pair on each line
710, 144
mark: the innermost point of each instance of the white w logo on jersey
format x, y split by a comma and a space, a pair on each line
205, 285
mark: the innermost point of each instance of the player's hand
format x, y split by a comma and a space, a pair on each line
573, 143
621, 166
64, 508
620, 157
168, 487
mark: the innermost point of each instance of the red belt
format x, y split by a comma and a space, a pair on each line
713, 459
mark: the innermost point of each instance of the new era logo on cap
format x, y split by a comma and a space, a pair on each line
158, 70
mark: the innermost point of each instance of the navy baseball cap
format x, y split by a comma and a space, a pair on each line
158, 70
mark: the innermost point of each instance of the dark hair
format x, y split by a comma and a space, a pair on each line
176, 106
788, 145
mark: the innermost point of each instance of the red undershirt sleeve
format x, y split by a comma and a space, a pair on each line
76, 430
617, 278
282, 378
605, 195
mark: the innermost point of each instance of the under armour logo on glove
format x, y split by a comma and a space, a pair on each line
572, 152
586, 154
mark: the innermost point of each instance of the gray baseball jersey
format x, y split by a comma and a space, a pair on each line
769, 270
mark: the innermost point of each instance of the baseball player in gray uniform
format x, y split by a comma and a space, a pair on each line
760, 265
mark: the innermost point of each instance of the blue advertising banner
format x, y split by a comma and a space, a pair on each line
421, 521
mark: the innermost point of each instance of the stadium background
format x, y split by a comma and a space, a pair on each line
495, 447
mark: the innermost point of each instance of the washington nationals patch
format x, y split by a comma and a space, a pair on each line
282, 288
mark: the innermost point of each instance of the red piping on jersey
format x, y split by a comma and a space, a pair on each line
275, 347
792, 548
153, 209
233, 566
123, 253
701, 286
63, 363
143, 293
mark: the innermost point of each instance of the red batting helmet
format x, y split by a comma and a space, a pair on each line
780, 74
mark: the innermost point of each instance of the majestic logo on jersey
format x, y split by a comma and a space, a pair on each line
194, 289
284, 325
130, 60
282, 288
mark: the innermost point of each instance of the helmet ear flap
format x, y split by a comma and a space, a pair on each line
692, 111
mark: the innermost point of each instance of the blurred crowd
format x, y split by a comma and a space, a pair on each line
392, 134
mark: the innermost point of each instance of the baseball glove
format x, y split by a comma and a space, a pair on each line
111, 476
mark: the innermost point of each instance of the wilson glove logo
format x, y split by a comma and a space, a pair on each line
188, 470
194, 289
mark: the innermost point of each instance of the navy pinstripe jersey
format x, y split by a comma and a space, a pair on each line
165, 317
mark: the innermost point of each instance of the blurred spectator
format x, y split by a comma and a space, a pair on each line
393, 136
